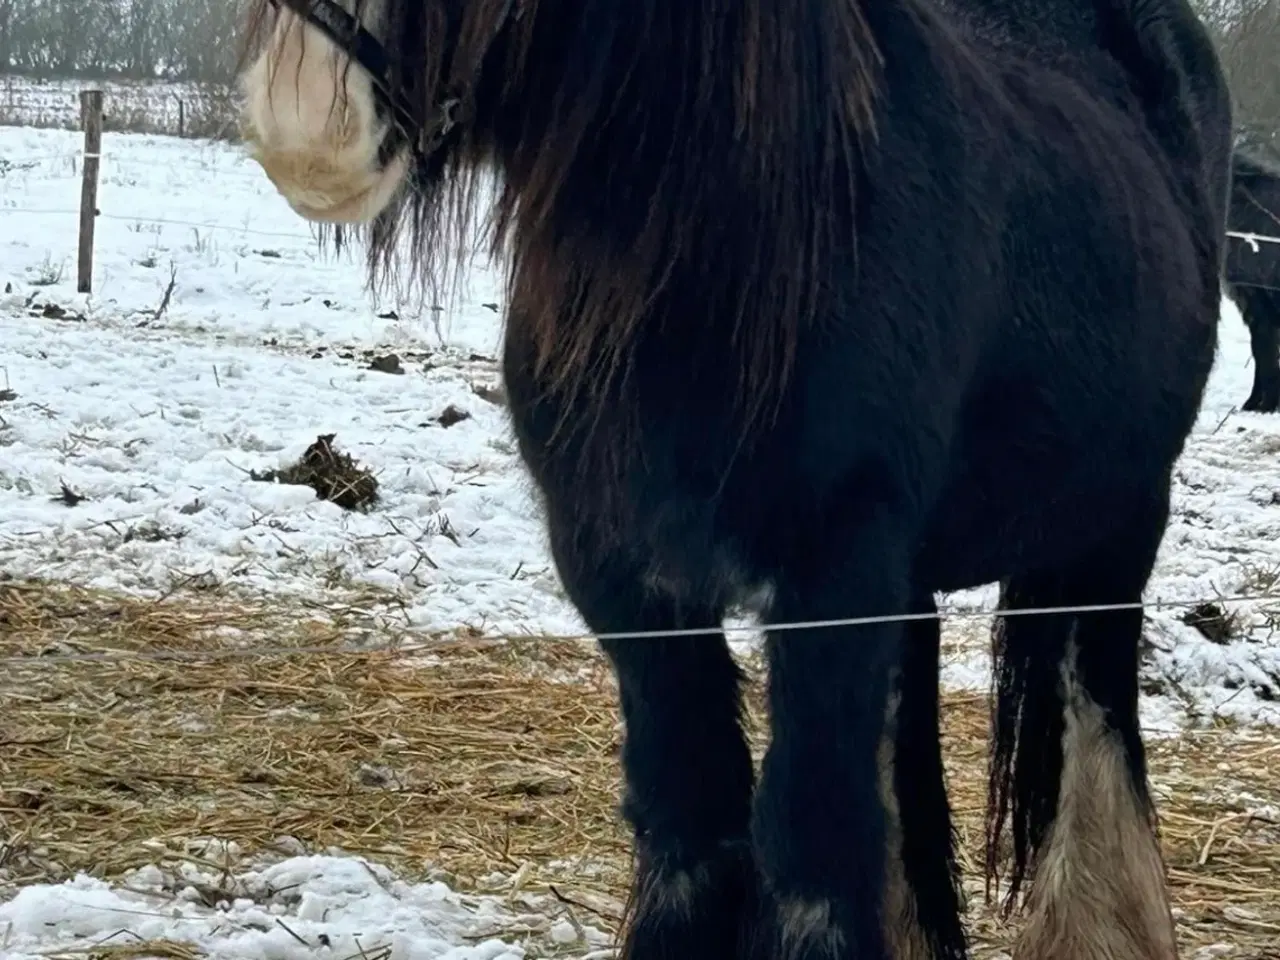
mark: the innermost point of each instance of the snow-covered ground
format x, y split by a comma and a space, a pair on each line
154, 404
298, 909
159, 421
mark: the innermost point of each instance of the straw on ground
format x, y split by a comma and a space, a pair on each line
488, 764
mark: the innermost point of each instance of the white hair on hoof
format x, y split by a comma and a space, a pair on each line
1098, 890
806, 928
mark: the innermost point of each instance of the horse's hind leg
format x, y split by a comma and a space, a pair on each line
1068, 766
1261, 312
686, 763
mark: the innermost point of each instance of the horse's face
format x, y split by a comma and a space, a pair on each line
313, 122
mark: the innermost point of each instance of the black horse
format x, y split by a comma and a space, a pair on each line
1253, 269
837, 303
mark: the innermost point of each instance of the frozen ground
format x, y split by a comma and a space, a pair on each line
155, 409
298, 909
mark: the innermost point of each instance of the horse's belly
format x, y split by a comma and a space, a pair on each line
977, 537
1006, 512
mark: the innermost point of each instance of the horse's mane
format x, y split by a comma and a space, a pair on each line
639, 142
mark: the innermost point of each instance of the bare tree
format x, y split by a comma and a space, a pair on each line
8, 24
1248, 38
133, 39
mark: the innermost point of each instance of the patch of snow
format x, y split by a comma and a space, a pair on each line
297, 909
158, 421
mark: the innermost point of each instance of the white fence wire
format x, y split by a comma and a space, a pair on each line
277, 651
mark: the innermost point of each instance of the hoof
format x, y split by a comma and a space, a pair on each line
680, 912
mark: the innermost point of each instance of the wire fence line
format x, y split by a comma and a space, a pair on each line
165, 221
19, 164
26, 164
1253, 239
276, 651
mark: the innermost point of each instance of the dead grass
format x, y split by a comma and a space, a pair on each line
133, 949
472, 758
1214, 623
332, 475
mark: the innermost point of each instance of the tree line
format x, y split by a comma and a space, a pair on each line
196, 40
1248, 37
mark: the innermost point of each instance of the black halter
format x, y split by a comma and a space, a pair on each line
343, 29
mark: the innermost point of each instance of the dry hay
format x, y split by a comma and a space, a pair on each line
1214, 623
469, 761
332, 475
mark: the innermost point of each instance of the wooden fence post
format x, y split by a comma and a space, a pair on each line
91, 121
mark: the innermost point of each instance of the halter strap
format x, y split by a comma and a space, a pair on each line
344, 30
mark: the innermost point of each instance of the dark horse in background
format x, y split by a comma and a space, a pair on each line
828, 305
1253, 269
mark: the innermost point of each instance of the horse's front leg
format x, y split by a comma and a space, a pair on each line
828, 824
686, 763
